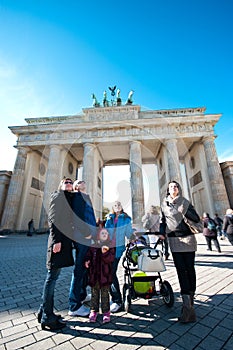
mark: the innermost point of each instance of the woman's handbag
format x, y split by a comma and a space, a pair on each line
195, 227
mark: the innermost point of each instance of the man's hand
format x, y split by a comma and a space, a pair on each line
57, 247
87, 264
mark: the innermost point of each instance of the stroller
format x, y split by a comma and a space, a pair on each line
142, 265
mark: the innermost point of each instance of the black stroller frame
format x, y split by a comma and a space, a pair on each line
164, 288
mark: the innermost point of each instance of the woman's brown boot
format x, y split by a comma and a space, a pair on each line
192, 298
188, 313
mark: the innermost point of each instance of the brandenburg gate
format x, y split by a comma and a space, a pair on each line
53, 147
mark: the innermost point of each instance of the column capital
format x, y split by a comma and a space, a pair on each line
135, 142
54, 146
209, 138
169, 141
23, 150
89, 144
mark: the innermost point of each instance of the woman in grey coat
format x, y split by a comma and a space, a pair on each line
175, 209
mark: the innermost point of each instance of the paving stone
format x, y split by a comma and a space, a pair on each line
20, 343
212, 343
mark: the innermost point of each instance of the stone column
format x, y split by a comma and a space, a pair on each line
218, 190
88, 168
173, 160
53, 178
11, 209
136, 181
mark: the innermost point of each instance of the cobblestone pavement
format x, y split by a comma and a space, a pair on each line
148, 325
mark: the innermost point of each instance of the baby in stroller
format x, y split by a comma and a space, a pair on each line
136, 245
140, 241
142, 266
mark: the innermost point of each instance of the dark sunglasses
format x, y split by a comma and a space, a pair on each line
68, 182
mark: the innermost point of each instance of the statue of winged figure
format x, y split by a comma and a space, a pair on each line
112, 89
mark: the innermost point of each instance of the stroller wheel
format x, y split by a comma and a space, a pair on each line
167, 293
126, 297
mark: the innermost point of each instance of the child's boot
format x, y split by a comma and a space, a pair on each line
93, 316
106, 317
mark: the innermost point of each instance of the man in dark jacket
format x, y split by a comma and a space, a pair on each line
84, 231
59, 253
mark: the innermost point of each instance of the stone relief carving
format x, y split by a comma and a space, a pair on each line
147, 132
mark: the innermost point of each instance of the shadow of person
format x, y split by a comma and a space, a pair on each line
123, 195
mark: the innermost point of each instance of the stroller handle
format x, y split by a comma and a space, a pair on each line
138, 234
145, 233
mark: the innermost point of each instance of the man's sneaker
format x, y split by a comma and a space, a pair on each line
115, 307
93, 316
82, 311
88, 298
106, 317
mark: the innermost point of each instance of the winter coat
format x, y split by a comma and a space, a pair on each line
100, 268
84, 217
118, 233
228, 224
206, 231
60, 230
172, 220
172, 224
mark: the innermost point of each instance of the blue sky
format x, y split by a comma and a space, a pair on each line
173, 54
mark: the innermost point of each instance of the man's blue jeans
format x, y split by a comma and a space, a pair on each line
47, 305
77, 287
115, 288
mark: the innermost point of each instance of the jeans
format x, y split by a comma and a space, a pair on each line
77, 287
184, 263
216, 243
115, 287
47, 305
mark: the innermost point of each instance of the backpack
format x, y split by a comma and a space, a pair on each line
211, 225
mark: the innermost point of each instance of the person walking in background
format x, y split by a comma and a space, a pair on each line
228, 225
98, 261
59, 253
210, 232
100, 223
84, 231
174, 210
218, 222
119, 226
31, 227
151, 222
